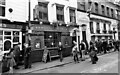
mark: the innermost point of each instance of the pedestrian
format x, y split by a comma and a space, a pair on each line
93, 53
104, 45
75, 54
11, 62
60, 50
117, 45
2, 57
83, 50
27, 62
45, 54
17, 55
98, 45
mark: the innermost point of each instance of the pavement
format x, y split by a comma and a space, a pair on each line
42, 66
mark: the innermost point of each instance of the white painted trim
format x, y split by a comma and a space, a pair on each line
7, 29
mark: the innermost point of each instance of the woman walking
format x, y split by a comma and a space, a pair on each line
11, 60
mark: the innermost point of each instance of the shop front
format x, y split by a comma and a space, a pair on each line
10, 35
50, 35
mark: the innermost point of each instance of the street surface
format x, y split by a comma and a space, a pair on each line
107, 63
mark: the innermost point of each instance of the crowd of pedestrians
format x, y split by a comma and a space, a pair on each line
10, 60
100, 46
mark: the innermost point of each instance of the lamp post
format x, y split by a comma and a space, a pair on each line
29, 25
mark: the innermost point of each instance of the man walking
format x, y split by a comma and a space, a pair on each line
27, 62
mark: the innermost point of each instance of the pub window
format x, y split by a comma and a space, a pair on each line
103, 9
91, 27
43, 11
15, 36
108, 11
2, 9
60, 13
112, 13
52, 39
96, 7
7, 33
72, 16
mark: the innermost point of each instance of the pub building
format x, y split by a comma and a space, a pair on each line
49, 34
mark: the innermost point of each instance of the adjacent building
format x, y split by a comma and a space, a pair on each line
12, 20
103, 19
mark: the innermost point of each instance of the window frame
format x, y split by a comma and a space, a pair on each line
43, 9
91, 27
72, 17
60, 13
103, 9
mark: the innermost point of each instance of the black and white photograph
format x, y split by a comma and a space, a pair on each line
59, 37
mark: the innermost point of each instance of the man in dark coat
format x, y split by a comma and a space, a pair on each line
27, 55
17, 54
104, 45
60, 51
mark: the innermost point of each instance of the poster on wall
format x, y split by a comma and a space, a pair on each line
37, 44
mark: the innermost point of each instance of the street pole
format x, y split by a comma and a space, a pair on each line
29, 24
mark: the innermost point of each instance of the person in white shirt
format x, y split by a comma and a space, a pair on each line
75, 53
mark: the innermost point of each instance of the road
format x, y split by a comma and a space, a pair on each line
107, 63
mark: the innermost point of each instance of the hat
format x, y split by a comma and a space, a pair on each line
18, 43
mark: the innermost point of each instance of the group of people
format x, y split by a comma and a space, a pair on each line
93, 48
10, 60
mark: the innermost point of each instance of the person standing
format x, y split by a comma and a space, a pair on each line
45, 54
60, 50
104, 45
75, 53
83, 50
2, 53
17, 54
27, 62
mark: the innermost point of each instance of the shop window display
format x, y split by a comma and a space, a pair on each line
52, 39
